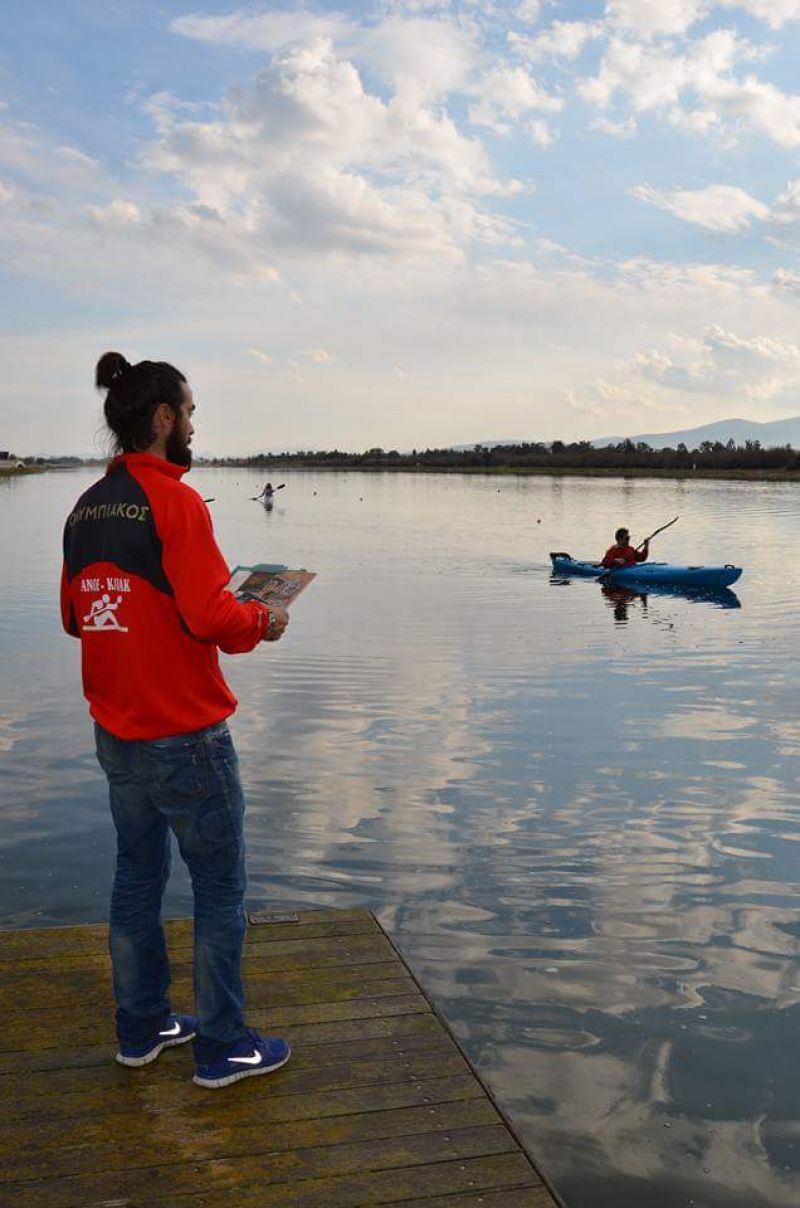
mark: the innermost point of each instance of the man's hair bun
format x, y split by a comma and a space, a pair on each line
133, 392
110, 367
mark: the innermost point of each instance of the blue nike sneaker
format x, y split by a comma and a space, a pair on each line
253, 1054
177, 1030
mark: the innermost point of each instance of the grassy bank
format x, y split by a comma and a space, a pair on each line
528, 471
620, 472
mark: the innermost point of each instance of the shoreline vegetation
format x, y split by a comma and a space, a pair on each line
748, 462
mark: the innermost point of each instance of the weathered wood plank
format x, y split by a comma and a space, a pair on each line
263, 1166
430, 1042
362, 947
212, 1139
368, 1190
378, 1105
91, 938
260, 944
267, 1021
410, 1023
262, 985
174, 1094
68, 1133
519, 1197
36, 1029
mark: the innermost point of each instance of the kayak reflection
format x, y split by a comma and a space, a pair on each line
621, 599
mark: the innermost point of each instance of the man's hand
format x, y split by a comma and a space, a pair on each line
278, 620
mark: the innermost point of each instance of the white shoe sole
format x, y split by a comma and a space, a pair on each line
151, 1056
214, 1083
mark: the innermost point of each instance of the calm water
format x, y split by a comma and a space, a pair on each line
576, 814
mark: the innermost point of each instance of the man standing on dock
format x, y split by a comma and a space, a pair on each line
144, 588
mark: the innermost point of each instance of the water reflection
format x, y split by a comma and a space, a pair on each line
583, 837
624, 601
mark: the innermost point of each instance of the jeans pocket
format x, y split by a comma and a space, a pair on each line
184, 776
108, 753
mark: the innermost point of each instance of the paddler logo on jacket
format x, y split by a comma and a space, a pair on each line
102, 616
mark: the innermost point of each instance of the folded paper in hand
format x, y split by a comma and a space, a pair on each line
275, 586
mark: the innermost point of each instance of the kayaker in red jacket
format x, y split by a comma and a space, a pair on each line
622, 553
143, 587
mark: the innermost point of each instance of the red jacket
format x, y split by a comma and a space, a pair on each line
143, 587
627, 552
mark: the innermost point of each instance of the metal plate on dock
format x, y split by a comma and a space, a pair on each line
271, 916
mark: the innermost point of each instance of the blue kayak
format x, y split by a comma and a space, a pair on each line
642, 573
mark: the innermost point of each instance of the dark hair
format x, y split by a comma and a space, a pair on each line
620, 533
134, 392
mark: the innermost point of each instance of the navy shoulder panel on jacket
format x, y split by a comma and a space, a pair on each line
113, 522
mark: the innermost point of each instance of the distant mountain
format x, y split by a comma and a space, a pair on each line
492, 444
775, 434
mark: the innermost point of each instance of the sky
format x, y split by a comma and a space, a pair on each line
401, 224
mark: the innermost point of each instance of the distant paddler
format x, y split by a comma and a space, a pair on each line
267, 495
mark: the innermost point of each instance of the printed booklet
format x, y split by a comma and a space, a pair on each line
275, 586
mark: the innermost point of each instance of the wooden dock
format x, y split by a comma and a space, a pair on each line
377, 1106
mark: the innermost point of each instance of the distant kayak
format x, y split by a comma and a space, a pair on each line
642, 573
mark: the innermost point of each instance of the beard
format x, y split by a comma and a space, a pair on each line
177, 449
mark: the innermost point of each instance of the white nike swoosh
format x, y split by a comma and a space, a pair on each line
254, 1060
173, 1031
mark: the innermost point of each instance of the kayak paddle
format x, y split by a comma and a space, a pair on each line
658, 530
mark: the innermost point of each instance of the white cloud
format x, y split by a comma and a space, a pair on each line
739, 349
562, 40
624, 129
716, 208
716, 284
425, 57
761, 106
428, 55
118, 214
775, 13
729, 209
419, 6
786, 280
540, 133
694, 87
528, 11
786, 211
652, 18
306, 159
27, 152
507, 94
624, 399
757, 368
268, 31
340, 170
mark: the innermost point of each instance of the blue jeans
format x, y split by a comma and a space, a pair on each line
189, 785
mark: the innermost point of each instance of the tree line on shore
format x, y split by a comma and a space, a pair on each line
555, 455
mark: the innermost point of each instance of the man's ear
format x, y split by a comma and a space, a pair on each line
163, 419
